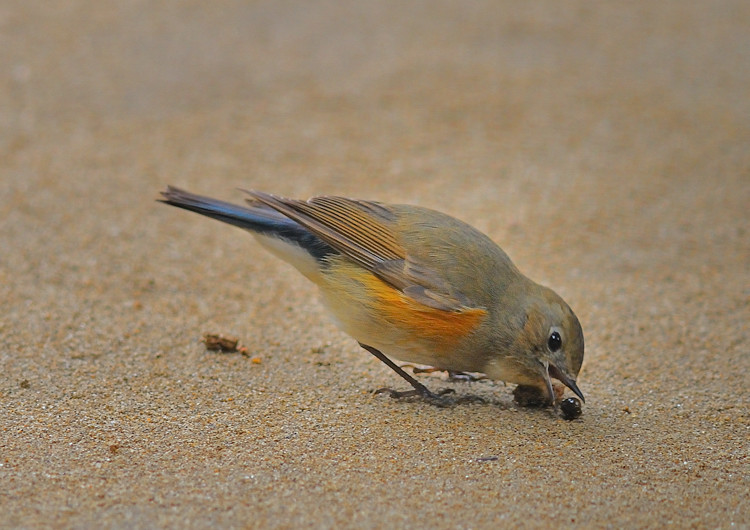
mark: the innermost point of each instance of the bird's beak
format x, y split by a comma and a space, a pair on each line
553, 371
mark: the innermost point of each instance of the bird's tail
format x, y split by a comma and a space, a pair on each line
256, 218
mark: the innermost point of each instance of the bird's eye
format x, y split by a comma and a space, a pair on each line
554, 342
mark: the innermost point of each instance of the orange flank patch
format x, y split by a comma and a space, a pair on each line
446, 327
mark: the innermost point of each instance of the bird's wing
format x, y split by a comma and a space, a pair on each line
362, 231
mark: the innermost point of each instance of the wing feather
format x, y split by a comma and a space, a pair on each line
361, 230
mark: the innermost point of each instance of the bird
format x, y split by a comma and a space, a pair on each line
416, 285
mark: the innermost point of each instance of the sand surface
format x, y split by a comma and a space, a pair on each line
605, 146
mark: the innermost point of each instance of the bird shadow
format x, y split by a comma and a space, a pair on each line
444, 398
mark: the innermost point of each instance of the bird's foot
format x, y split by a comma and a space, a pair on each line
437, 399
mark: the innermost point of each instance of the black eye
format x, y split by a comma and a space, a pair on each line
554, 342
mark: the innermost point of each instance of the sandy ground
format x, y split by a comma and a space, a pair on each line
605, 146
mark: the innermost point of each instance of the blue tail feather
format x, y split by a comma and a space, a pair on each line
259, 219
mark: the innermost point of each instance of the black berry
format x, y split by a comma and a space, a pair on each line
570, 408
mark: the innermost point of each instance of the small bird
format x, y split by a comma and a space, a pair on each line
415, 284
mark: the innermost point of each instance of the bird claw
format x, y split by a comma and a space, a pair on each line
437, 399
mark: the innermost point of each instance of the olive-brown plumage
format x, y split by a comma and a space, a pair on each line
415, 284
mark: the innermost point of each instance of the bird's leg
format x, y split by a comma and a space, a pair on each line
419, 388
